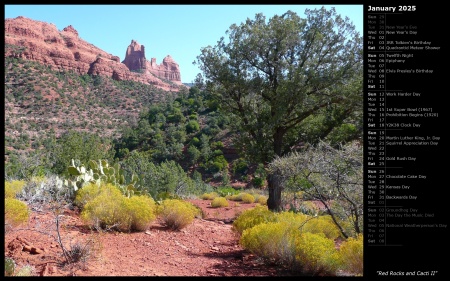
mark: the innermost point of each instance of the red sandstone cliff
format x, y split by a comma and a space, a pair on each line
135, 60
65, 50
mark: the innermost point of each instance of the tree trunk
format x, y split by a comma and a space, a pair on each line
273, 181
274, 200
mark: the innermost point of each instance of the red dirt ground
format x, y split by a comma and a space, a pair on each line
206, 247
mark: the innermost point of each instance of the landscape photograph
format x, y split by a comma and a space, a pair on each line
183, 140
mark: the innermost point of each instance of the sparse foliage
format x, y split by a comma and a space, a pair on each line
333, 176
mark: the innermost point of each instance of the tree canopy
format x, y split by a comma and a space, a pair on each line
287, 81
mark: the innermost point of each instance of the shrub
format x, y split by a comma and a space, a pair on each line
163, 195
278, 237
312, 224
274, 240
79, 252
141, 209
177, 214
10, 266
244, 197
16, 212
351, 254
105, 209
247, 198
234, 197
12, 188
308, 207
104, 206
296, 220
251, 217
224, 191
40, 191
167, 176
258, 182
240, 166
217, 145
261, 200
316, 254
219, 202
209, 196
89, 192
192, 126
323, 224
26, 270
218, 164
195, 141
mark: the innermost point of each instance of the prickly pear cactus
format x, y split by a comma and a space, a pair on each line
100, 171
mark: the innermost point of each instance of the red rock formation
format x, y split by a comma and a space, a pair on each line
135, 60
169, 69
135, 56
65, 50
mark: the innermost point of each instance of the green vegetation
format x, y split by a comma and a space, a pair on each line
351, 252
104, 210
16, 212
141, 209
81, 146
252, 217
276, 98
261, 199
12, 188
283, 121
12, 270
105, 207
271, 240
177, 214
219, 202
209, 196
226, 191
316, 254
10, 266
301, 242
337, 181
247, 198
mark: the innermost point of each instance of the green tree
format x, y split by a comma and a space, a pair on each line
192, 127
276, 78
166, 177
81, 146
129, 140
205, 148
152, 113
26, 166
136, 162
193, 154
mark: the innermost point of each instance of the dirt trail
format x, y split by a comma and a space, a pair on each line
206, 247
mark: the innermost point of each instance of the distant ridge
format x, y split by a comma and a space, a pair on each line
64, 50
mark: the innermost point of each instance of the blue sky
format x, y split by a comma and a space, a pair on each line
176, 30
